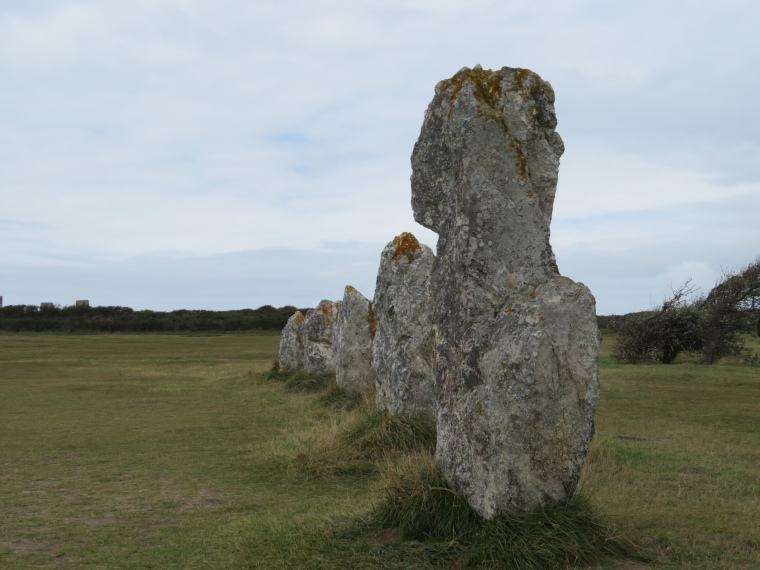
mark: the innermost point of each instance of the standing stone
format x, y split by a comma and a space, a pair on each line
290, 355
319, 333
354, 332
403, 351
516, 343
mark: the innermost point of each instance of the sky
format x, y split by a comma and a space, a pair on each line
186, 154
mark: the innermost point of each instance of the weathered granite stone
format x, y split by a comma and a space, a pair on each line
319, 333
290, 355
403, 350
354, 332
516, 344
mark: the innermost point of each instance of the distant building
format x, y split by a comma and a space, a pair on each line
1, 301
47, 305
83, 303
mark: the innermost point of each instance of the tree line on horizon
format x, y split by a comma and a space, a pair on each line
709, 326
32, 318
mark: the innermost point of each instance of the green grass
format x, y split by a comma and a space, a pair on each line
144, 450
300, 380
140, 451
359, 439
420, 505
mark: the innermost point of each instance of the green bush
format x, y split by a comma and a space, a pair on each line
659, 336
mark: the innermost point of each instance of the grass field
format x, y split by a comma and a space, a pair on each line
160, 451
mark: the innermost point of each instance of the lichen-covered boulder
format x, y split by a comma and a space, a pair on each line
319, 335
516, 343
290, 355
403, 349
354, 333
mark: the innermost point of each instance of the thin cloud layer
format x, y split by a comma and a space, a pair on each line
204, 132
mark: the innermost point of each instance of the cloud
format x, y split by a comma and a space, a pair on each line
205, 129
164, 281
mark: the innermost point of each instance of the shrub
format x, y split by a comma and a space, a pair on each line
710, 325
658, 336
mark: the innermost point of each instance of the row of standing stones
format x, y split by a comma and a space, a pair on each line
486, 335
386, 344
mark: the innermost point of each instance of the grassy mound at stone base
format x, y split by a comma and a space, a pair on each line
420, 512
419, 508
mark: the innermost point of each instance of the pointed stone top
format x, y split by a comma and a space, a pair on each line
406, 246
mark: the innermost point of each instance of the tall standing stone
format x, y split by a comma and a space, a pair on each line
290, 355
354, 333
319, 335
516, 343
403, 351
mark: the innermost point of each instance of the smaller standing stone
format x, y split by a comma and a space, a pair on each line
291, 343
354, 332
319, 336
403, 351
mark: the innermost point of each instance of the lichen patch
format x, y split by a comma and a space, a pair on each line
327, 311
406, 244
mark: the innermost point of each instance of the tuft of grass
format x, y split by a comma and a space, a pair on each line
421, 505
419, 502
336, 398
375, 435
300, 380
273, 372
359, 438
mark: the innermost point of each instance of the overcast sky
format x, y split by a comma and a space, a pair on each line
168, 154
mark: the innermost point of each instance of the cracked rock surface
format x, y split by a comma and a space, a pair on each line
516, 343
354, 332
403, 350
319, 335
290, 355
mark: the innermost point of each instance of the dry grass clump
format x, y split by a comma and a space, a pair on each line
355, 436
359, 438
421, 505
336, 398
300, 380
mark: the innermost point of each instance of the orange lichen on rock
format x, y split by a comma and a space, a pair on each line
522, 77
486, 86
350, 288
406, 244
327, 311
299, 317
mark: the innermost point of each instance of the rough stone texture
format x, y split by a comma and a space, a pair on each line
354, 332
403, 352
516, 343
319, 331
291, 343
